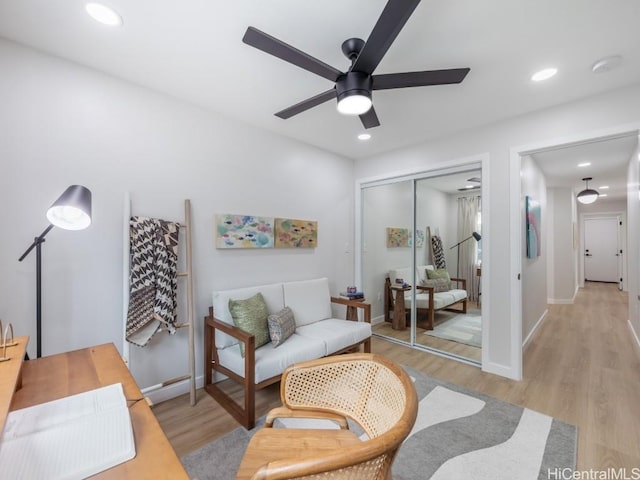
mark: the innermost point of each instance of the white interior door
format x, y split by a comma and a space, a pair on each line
601, 251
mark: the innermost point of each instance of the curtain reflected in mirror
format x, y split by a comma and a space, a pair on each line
422, 261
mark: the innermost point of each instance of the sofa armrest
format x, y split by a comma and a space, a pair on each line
366, 307
424, 288
460, 281
232, 330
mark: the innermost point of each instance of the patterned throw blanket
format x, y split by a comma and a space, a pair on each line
152, 278
438, 252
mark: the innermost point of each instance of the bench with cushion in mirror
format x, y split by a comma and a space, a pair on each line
435, 290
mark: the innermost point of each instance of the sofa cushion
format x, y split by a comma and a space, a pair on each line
272, 361
438, 284
281, 326
272, 295
440, 274
405, 274
251, 315
309, 300
440, 300
336, 334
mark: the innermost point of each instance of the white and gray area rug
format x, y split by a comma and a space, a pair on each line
459, 434
459, 327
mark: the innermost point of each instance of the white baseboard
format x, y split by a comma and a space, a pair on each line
533, 330
157, 395
564, 301
377, 320
560, 301
634, 333
499, 369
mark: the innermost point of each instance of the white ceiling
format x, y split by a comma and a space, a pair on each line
608, 159
193, 50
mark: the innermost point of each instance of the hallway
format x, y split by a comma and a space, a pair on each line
583, 367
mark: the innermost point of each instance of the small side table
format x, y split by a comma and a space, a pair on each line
399, 321
352, 312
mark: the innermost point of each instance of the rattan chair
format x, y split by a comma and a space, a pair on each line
368, 389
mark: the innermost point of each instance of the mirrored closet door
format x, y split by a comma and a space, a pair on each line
421, 260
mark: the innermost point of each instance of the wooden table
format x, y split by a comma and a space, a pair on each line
352, 312
10, 377
58, 376
399, 321
270, 444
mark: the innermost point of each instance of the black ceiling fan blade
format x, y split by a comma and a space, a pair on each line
393, 17
419, 79
283, 51
307, 104
369, 118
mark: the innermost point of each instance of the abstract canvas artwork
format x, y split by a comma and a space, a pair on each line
419, 238
534, 234
244, 231
397, 237
292, 233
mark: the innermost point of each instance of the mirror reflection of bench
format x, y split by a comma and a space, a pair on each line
431, 295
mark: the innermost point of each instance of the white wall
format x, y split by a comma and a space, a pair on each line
63, 124
588, 116
633, 239
561, 257
534, 270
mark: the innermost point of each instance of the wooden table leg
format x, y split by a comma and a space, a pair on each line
399, 313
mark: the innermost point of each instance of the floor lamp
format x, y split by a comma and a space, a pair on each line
475, 235
71, 211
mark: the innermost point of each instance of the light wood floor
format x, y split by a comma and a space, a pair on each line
460, 349
582, 367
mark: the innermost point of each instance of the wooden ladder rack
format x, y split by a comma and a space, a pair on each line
188, 274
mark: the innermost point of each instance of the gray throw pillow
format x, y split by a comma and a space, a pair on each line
281, 326
250, 315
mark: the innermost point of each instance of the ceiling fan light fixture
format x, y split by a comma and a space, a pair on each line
588, 195
354, 103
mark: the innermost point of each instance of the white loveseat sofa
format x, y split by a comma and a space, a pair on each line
317, 334
427, 301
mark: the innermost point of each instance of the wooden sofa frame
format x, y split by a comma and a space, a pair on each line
430, 311
245, 414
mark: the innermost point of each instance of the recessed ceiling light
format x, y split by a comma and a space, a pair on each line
469, 186
545, 74
103, 14
605, 64
584, 164
364, 136
603, 195
604, 187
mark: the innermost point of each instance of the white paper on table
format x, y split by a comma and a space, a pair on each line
70, 438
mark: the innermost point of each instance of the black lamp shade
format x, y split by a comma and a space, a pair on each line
72, 210
477, 236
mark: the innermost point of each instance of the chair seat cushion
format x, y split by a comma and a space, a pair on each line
336, 334
272, 361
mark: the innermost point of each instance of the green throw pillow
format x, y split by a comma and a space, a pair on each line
281, 326
440, 273
438, 284
251, 315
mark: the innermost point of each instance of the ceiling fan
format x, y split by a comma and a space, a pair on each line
353, 88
